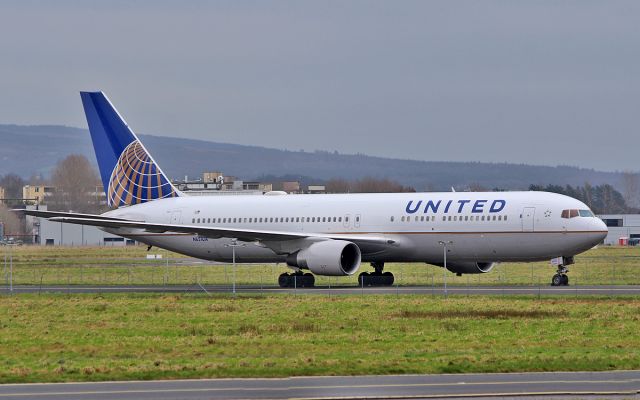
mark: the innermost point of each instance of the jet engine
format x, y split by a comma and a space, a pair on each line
329, 257
468, 267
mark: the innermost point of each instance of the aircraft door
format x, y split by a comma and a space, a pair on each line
528, 215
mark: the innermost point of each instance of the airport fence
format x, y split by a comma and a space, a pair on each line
35, 265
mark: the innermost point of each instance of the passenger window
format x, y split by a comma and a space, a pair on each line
505, 217
449, 217
346, 219
313, 219
402, 219
339, 219
466, 217
391, 218
308, 219
494, 217
482, 218
193, 221
334, 219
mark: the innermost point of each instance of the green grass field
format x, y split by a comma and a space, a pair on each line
88, 337
127, 265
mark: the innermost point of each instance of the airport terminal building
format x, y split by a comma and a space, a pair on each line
624, 229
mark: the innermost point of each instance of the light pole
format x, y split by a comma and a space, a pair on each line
10, 246
234, 243
444, 271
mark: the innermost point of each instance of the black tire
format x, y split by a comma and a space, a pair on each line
284, 280
363, 279
557, 280
565, 280
388, 278
309, 280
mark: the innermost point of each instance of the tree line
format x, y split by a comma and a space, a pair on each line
601, 199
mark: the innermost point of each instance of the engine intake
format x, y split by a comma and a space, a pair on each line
468, 267
329, 257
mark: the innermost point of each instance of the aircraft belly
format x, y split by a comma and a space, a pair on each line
486, 247
246, 252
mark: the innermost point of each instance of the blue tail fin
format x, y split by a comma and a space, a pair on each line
129, 173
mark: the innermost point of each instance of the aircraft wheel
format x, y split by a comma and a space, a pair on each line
557, 280
565, 280
309, 280
363, 279
284, 280
388, 278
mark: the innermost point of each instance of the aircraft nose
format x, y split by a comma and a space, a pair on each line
602, 228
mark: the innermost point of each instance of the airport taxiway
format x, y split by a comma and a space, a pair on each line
547, 384
604, 290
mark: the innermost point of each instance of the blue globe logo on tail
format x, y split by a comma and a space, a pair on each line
128, 172
136, 178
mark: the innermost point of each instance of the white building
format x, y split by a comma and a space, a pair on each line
625, 227
56, 233
45, 232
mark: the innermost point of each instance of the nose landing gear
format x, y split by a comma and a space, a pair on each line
561, 278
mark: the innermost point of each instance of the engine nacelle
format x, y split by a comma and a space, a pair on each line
468, 267
329, 257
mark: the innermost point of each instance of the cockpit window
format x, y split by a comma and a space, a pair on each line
576, 213
585, 213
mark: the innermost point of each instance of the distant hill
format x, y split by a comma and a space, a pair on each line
28, 150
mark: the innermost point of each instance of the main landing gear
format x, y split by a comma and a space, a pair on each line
561, 278
376, 278
296, 280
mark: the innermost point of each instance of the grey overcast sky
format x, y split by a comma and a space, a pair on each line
539, 82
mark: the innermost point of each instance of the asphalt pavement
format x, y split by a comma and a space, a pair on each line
554, 384
602, 290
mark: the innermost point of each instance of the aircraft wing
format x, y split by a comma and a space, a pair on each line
247, 235
52, 214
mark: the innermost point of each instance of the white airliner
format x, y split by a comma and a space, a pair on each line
330, 234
